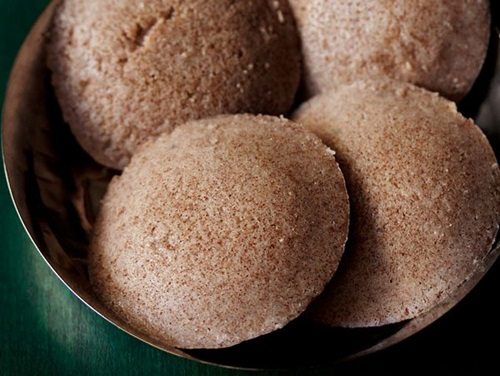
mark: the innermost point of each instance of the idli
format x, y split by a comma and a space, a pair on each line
438, 45
125, 71
220, 232
424, 186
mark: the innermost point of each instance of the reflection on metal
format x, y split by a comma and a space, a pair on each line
56, 188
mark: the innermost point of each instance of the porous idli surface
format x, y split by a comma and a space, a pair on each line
125, 71
220, 232
438, 45
424, 186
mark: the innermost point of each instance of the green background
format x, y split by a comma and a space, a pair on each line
45, 330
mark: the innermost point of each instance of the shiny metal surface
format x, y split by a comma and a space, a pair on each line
56, 188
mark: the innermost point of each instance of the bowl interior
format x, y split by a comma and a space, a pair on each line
56, 188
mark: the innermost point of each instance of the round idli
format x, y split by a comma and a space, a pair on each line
424, 186
220, 232
126, 71
439, 45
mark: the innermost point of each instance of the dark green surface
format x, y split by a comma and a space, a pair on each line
45, 330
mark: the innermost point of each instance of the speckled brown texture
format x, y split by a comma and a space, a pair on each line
220, 232
425, 191
439, 45
125, 70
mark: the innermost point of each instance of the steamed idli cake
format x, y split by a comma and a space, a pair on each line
425, 191
126, 71
220, 232
439, 45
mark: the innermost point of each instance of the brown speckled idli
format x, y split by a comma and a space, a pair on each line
124, 71
222, 231
439, 45
425, 191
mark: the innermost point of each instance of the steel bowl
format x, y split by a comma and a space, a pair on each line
56, 188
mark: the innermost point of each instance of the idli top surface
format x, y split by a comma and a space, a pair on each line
424, 185
439, 45
220, 232
125, 71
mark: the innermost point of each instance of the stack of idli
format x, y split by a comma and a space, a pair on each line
227, 221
